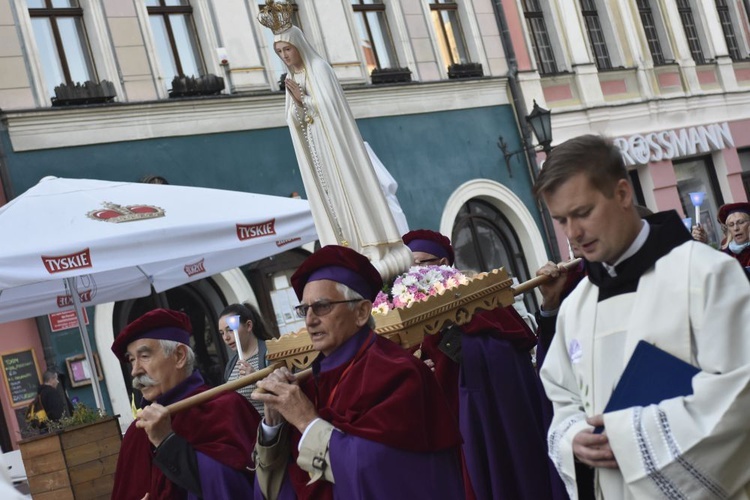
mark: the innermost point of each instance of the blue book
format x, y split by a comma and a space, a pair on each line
651, 376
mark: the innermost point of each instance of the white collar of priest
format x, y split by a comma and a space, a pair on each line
637, 244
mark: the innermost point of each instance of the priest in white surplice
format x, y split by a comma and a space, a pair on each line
647, 280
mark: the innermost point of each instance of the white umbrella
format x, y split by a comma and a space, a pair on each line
113, 241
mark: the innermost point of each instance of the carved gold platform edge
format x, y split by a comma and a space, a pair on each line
408, 326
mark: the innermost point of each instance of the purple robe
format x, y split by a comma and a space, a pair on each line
500, 414
365, 469
214, 425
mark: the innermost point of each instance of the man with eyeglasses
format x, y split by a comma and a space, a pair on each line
485, 370
735, 222
371, 419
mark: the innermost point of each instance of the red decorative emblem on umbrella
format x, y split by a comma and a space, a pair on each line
250, 231
282, 243
195, 268
113, 212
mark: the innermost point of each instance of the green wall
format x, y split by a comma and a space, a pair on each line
429, 155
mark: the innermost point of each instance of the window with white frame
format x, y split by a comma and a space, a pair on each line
374, 34
653, 36
450, 36
691, 31
727, 27
540, 39
595, 34
62, 43
175, 38
278, 68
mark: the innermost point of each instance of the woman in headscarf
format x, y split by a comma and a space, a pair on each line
339, 178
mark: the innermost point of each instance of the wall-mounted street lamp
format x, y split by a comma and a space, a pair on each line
540, 121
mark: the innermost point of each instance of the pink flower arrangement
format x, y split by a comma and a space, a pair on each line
417, 285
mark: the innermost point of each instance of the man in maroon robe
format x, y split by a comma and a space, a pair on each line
485, 369
202, 452
371, 422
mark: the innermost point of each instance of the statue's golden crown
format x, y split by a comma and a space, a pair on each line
277, 16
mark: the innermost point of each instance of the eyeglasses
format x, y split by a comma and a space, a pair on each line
321, 307
738, 223
425, 261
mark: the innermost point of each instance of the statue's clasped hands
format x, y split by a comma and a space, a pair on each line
294, 89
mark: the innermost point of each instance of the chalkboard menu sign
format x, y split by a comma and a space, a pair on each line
21, 376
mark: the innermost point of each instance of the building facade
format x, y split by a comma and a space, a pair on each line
669, 80
189, 91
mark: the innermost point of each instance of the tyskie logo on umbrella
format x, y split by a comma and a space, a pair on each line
69, 262
250, 231
113, 212
86, 287
195, 268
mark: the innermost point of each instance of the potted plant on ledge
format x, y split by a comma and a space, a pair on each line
188, 86
84, 93
465, 70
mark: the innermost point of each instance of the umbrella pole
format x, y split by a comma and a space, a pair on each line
86, 344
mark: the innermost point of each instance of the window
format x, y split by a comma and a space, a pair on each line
175, 38
448, 27
61, 40
540, 40
278, 68
596, 34
726, 25
691, 30
484, 239
374, 35
652, 35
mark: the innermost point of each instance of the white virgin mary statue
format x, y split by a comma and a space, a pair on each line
345, 197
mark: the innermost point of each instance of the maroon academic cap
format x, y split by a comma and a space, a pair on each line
159, 324
431, 242
730, 208
342, 265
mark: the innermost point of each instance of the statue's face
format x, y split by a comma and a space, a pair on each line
289, 54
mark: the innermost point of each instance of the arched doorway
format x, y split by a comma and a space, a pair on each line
483, 239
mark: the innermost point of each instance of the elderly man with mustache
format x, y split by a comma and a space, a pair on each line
201, 452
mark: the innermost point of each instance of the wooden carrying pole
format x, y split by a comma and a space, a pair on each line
261, 374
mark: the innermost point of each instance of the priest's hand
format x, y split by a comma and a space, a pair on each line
593, 449
552, 289
155, 420
284, 396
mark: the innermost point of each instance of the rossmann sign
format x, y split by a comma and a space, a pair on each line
640, 149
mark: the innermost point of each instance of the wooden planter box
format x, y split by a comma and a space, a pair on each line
76, 463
